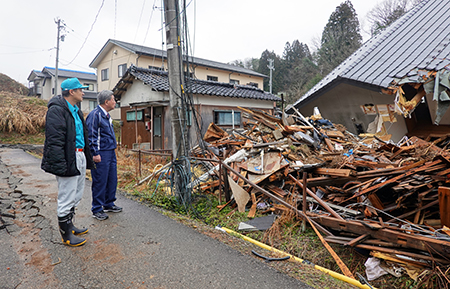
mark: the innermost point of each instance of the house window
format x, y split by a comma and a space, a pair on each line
122, 69
90, 86
105, 74
227, 117
92, 104
254, 84
212, 78
131, 115
234, 81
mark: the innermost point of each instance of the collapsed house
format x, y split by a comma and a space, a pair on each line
394, 71
388, 199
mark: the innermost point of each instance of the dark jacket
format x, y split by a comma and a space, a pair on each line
100, 132
59, 148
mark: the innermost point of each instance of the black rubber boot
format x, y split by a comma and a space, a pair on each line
65, 228
75, 230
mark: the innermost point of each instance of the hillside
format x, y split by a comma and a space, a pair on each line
10, 85
22, 118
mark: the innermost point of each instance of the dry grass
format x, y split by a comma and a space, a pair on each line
128, 172
21, 114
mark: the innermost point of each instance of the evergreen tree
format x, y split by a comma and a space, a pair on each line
340, 37
298, 69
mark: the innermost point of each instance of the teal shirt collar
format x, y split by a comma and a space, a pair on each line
78, 125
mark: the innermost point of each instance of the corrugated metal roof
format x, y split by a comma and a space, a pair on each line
158, 80
419, 39
144, 50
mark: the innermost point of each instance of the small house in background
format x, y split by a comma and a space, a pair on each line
403, 71
145, 106
116, 57
42, 85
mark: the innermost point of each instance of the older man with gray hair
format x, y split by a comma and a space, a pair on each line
102, 143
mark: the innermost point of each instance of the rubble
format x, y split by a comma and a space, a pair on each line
369, 193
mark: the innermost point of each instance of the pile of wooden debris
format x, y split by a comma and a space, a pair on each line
390, 199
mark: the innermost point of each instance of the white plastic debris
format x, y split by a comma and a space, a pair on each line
373, 269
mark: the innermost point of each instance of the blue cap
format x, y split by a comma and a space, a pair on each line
72, 83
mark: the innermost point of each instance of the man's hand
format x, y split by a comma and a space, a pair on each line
97, 158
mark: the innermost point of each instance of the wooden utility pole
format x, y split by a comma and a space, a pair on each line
176, 93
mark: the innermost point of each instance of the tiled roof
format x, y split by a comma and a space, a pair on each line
144, 50
70, 73
420, 39
158, 80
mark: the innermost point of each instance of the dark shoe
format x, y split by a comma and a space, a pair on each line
75, 230
100, 216
65, 228
113, 209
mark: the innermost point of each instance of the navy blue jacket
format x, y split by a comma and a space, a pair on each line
59, 147
100, 132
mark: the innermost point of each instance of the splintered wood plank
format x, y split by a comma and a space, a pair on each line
333, 172
334, 133
376, 202
358, 240
276, 190
329, 144
405, 240
252, 212
444, 205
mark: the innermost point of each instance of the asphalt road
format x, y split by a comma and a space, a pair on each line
138, 248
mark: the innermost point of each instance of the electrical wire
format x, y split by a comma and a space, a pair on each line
87, 36
149, 21
139, 22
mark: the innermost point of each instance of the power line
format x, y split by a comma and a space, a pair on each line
149, 21
139, 22
35, 51
92, 26
115, 17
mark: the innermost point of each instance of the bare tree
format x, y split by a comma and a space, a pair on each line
386, 12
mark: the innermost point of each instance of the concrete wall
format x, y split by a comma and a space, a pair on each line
342, 103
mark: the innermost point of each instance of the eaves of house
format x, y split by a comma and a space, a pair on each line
159, 81
66, 73
418, 40
152, 52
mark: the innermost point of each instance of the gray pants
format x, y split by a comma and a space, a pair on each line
70, 189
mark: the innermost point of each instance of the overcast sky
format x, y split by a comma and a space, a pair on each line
220, 30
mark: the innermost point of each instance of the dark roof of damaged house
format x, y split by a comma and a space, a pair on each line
159, 81
152, 52
418, 40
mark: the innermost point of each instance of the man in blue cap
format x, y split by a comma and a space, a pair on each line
67, 155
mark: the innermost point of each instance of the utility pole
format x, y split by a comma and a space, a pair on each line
270, 66
57, 57
59, 36
176, 94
